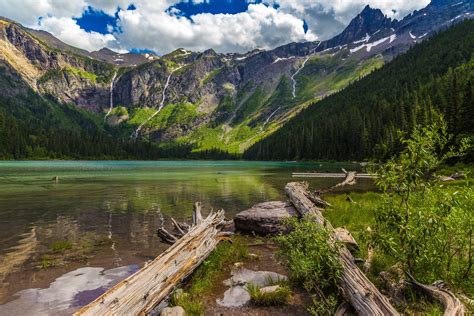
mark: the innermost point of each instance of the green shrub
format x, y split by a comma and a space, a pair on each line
426, 226
312, 261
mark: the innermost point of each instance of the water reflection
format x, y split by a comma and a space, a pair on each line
68, 292
105, 214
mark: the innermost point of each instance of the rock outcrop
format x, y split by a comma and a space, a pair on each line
264, 218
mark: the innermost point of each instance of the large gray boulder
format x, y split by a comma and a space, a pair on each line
264, 218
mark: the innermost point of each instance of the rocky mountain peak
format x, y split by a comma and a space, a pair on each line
106, 51
367, 22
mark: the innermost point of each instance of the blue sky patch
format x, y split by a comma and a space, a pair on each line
190, 8
142, 51
96, 21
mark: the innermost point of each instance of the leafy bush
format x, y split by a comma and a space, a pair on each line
311, 260
425, 225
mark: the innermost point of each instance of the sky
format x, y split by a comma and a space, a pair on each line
162, 26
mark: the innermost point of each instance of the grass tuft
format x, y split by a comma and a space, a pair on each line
279, 297
60, 246
204, 278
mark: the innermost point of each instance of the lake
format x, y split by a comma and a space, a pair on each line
64, 243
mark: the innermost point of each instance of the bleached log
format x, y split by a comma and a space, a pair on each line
350, 179
344, 236
197, 217
356, 287
166, 236
181, 230
369, 259
343, 309
141, 292
452, 305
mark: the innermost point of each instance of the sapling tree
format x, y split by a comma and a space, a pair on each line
425, 225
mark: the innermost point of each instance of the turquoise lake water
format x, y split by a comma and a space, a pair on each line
108, 211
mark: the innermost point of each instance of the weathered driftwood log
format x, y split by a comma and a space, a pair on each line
181, 230
356, 287
166, 236
197, 217
349, 180
141, 292
394, 283
345, 236
452, 305
343, 309
369, 259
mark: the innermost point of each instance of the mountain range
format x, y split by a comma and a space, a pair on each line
197, 100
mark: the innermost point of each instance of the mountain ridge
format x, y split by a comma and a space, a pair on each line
210, 100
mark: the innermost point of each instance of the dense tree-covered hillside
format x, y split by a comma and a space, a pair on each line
360, 122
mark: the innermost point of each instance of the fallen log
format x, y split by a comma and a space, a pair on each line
343, 309
179, 228
141, 292
369, 259
356, 287
330, 175
452, 305
345, 236
166, 236
350, 179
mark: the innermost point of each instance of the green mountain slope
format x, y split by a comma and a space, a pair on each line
32, 126
362, 120
192, 103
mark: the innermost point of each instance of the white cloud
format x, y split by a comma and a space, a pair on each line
260, 26
151, 27
327, 18
69, 32
28, 11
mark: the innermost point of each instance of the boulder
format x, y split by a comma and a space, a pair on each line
264, 218
173, 311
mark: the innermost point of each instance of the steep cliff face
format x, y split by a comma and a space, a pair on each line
208, 99
68, 77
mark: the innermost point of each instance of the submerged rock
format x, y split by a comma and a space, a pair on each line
264, 218
237, 295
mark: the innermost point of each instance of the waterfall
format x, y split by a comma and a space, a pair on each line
111, 106
270, 117
301, 68
162, 104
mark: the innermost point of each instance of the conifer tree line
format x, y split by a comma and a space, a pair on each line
434, 77
32, 127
